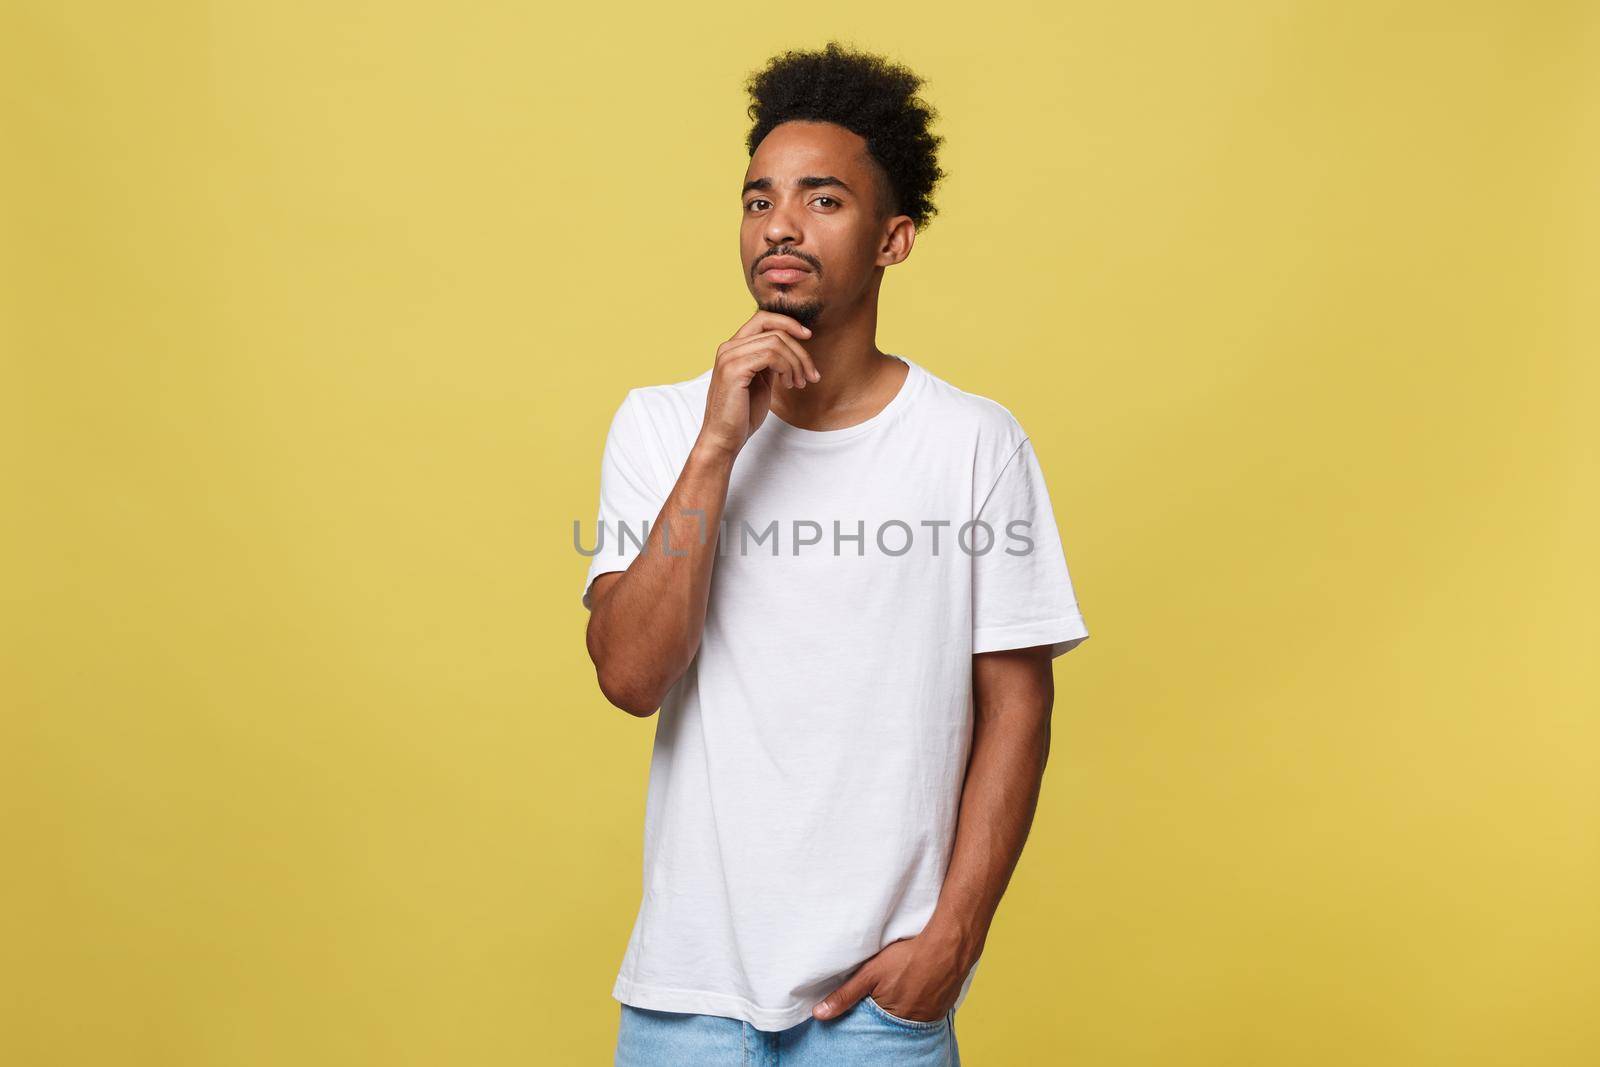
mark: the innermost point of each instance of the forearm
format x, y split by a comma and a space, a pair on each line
645, 631
1009, 748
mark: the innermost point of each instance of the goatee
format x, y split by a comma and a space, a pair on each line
805, 312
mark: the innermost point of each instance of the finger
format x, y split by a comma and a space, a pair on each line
771, 320
762, 321
785, 362
763, 381
844, 998
747, 358
768, 349
808, 367
769, 371
735, 345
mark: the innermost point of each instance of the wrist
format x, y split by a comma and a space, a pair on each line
711, 452
961, 940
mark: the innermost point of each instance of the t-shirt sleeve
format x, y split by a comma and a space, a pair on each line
630, 499
1021, 589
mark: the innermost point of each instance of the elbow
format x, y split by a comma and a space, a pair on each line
631, 698
629, 680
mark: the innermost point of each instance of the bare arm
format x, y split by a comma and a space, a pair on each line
919, 978
1013, 695
645, 623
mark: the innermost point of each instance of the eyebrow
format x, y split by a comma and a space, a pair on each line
810, 181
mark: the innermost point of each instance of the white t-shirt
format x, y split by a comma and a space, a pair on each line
808, 765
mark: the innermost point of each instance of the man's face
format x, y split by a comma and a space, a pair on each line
813, 196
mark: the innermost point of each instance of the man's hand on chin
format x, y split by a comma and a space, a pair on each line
916, 978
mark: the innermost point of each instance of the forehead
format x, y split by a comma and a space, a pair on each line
797, 148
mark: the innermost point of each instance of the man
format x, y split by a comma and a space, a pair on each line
839, 578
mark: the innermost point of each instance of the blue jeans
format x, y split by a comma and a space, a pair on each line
864, 1036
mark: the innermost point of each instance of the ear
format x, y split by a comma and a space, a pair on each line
900, 233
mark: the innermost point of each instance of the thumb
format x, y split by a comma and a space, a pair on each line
844, 998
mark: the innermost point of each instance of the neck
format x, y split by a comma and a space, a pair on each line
853, 370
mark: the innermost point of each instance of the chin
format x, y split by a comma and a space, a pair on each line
805, 312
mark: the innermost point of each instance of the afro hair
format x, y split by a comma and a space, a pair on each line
866, 94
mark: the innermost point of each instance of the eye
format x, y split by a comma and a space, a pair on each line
754, 202
827, 198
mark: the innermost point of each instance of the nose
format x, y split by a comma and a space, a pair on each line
781, 227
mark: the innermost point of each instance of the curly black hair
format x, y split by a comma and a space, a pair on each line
864, 93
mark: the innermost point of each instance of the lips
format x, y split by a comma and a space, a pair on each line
789, 264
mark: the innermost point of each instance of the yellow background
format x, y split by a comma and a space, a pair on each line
314, 315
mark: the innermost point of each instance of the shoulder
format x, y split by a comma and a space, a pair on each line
991, 426
669, 403
986, 435
659, 423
